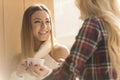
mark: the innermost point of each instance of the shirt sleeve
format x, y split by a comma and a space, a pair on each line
83, 47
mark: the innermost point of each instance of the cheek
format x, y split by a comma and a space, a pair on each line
35, 27
34, 31
50, 28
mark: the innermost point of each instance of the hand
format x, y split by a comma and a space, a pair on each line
61, 61
21, 68
38, 70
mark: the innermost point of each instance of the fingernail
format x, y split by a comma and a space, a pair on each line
35, 65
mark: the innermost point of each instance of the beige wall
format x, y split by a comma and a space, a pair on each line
1, 38
11, 12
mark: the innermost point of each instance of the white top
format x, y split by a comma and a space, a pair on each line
43, 53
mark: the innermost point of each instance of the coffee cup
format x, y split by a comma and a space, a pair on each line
35, 61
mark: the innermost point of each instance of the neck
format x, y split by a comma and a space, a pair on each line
37, 44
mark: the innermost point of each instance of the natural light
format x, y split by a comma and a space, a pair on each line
66, 21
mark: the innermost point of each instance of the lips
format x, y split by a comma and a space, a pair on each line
43, 32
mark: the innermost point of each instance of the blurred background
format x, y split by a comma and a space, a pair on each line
67, 21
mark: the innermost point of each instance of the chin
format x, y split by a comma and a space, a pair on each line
43, 39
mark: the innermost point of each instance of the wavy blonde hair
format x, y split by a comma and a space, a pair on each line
27, 40
109, 11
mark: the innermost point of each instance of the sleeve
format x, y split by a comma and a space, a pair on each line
84, 46
15, 77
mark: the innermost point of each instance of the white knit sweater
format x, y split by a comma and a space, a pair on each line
43, 53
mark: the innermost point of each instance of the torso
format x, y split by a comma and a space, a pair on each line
98, 66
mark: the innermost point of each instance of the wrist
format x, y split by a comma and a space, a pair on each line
50, 71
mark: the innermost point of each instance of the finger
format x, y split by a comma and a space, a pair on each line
34, 71
31, 68
61, 60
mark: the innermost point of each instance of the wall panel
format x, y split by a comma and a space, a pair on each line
1, 31
2, 57
12, 25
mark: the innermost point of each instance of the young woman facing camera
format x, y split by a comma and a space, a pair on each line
38, 42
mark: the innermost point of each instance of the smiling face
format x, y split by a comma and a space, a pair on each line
41, 25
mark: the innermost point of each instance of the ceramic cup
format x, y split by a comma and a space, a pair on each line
35, 61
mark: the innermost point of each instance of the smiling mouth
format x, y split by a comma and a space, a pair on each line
43, 32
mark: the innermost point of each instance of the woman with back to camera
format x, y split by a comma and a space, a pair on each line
95, 55
38, 41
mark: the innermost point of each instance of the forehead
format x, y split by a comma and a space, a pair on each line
40, 14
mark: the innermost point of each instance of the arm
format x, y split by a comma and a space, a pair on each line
82, 49
60, 52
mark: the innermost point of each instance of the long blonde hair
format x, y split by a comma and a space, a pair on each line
27, 40
109, 11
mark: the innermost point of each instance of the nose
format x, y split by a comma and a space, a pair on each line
43, 25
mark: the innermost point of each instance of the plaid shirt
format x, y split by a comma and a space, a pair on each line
89, 57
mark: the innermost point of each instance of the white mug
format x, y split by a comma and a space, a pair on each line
35, 61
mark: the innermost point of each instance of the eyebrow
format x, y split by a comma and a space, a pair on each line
37, 19
40, 19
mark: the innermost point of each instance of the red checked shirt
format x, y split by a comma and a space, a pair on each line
89, 57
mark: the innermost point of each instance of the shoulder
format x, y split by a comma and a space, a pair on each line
60, 51
61, 48
92, 23
93, 18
